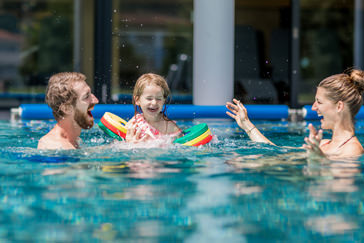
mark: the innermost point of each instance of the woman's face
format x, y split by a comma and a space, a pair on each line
326, 108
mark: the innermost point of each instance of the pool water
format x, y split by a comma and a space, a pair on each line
231, 190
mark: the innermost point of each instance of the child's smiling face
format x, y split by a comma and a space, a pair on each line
151, 101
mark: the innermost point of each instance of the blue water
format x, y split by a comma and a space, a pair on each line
232, 190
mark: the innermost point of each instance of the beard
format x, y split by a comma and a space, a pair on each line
84, 120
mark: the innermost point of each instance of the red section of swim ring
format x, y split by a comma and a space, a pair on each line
203, 141
112, 128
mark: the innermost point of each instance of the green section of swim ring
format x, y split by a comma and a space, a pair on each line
109, 132
192, 133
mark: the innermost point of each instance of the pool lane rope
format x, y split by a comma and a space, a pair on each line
114, 126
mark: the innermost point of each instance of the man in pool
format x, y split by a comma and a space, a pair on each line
71, 101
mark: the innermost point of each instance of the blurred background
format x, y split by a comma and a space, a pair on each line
113, 42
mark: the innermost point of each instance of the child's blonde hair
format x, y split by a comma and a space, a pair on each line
150, 79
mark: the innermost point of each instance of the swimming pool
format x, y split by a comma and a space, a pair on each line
231, 190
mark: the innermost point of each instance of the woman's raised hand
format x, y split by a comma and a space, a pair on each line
238, 112
312, 145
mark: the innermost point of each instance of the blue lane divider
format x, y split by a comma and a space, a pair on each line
312, 115
309, 113
256, 112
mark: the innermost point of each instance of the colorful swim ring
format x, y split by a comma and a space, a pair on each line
195, 136
113, 125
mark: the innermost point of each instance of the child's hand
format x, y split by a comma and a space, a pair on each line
133, 134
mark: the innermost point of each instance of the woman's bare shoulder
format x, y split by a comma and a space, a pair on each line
351, 149
324, 142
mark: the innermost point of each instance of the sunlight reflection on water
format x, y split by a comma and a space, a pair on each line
231, 189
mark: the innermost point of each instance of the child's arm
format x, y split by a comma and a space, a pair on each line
173, 129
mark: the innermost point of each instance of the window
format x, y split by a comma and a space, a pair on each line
152, 36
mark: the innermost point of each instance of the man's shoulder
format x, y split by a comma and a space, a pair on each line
48, 141
51, 141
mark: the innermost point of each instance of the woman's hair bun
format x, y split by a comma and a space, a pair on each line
357, 77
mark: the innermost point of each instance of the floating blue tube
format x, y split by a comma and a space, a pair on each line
35, 112
309, 114
267, 112
256, 112
312, 115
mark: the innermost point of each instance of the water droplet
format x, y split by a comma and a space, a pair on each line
305, 62
114, 10
137, 66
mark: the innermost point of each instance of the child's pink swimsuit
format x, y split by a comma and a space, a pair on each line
146, 128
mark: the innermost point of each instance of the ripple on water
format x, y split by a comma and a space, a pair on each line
232, 186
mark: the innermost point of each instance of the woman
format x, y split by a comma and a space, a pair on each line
338, 99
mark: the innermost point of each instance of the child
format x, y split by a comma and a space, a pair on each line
150, 121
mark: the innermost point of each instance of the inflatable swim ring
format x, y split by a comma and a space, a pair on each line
113, 125
195, 136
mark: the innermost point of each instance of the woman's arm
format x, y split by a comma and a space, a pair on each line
240, 114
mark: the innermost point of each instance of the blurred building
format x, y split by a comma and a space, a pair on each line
282, 48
